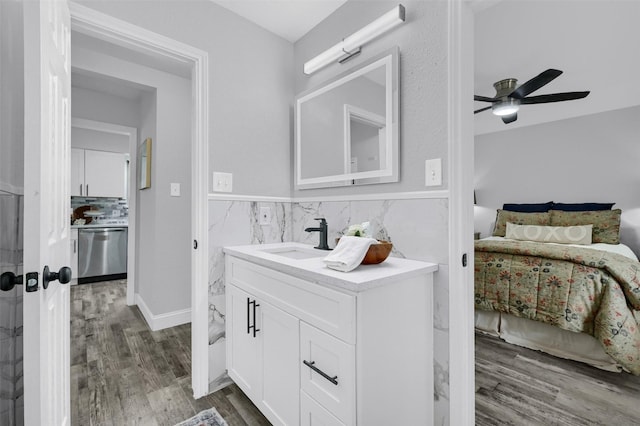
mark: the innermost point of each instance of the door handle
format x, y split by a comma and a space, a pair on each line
80, 189
9, 280
63, 275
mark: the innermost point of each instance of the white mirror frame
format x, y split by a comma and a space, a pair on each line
389, 172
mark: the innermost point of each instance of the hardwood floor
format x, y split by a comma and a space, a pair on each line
519, 386
122, 373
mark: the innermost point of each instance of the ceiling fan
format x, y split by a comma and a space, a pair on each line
509, 97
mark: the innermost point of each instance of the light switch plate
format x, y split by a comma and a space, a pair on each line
175, 189
265, 216
222, 182
433, 172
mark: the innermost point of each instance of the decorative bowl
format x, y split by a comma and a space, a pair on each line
377, 253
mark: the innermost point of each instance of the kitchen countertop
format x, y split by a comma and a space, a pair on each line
98, 225
313, 269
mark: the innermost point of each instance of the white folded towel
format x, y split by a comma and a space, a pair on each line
348, 253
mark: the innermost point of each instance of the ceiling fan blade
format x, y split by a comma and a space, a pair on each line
510, 118
481, 109
554, 97
483, 98
535, 83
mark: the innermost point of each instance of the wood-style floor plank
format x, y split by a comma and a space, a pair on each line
122, 373
519, 386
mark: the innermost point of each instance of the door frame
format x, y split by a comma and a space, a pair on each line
105, 27
132, 134
461, 175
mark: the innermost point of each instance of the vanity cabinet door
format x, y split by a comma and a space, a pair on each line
243, 355
314, 414
280, 376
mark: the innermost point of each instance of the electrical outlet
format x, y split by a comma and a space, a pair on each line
222, 182
265, 216
175, 190
433, 172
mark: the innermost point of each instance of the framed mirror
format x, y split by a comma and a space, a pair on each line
347, 130
144, 164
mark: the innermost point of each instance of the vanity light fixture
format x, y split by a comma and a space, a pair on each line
351, 45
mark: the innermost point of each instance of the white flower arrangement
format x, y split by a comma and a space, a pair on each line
359, 230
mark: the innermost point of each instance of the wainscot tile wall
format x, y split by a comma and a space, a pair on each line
418, 229
11, 343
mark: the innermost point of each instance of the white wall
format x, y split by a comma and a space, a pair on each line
593, 158
11, 98
250, 86
423, 82
97, 140
100, 106
164, 234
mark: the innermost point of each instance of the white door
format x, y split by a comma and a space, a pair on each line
47, 84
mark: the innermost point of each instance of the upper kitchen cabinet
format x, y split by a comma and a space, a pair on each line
98, 173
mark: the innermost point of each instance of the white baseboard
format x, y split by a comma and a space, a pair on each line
162, 321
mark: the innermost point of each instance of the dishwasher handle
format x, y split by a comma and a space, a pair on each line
96, 231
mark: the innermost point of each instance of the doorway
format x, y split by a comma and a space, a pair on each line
132, 40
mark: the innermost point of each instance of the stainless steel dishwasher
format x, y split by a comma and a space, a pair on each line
102, 254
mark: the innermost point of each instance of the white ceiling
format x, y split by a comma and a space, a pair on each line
595, 43
290, 19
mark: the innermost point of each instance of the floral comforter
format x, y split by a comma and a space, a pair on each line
576, 289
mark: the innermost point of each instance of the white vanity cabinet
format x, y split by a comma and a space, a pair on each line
98, 173
313, 346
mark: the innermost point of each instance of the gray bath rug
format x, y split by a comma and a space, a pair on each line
208, 417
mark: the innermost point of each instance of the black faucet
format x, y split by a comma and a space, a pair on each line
322, 229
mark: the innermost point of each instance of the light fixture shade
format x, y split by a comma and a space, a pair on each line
351, 44
386, 22
506, 107
325, 58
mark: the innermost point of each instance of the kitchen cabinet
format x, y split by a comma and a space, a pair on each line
98, 173
73, 239
307, 351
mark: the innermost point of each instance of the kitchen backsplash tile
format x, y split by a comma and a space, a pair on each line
107, 205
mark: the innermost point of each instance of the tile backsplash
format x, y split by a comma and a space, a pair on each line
107, 205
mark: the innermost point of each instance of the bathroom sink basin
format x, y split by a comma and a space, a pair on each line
296, 252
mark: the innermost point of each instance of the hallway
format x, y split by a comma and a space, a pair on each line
122, 373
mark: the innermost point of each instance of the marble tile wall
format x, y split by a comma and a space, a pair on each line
11, 345
418, 229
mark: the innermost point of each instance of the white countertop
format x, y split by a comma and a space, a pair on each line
100, 225
313, 269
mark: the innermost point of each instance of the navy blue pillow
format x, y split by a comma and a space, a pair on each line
528, 208
582, 207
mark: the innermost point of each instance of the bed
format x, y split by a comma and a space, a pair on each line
576, 301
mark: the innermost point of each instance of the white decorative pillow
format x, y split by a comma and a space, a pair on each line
550, 234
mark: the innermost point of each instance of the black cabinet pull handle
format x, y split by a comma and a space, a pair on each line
255, 329
312, 366
248, 316
249, 325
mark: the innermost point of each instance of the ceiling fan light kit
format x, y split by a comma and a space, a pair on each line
509, 96
507, 106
